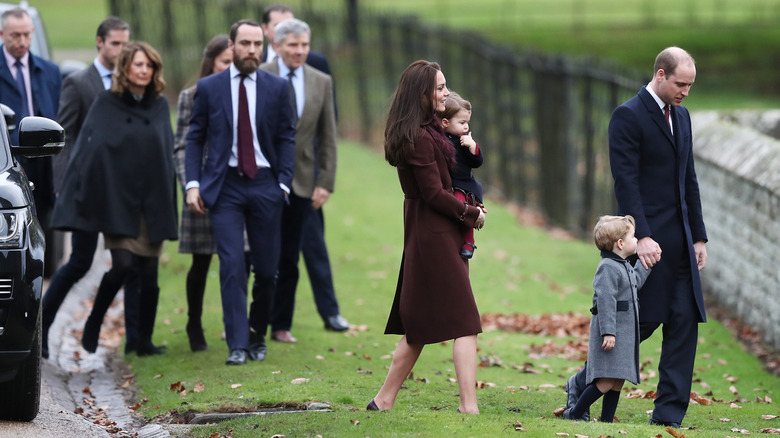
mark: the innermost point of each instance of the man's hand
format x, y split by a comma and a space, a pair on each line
608, 343
649, 252
194, 202
701, 254
319, 197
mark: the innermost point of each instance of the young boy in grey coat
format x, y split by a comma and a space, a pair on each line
613, 348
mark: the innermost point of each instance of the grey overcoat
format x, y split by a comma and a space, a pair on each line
616, 312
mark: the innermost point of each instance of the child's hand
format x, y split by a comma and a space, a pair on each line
467, 142
609, 343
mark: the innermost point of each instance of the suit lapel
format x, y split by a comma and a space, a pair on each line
260, 105
5, 72
308, 84
657, 115
227, 98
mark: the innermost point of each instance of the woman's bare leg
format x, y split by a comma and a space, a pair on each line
464, 354
403, 361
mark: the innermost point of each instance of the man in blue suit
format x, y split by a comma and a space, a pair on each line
35, 93
651, 157
246, 118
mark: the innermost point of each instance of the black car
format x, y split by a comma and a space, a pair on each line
22, 247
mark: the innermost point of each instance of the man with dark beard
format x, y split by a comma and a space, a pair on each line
245, 117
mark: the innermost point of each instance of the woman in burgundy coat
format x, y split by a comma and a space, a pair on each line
433, 301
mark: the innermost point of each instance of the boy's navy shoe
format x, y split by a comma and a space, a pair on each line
573, 393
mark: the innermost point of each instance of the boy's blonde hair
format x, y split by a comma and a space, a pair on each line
610, 229
453, 104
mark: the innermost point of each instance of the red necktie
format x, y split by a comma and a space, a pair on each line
246, 149
666, 114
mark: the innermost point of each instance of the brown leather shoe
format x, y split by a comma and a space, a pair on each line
283, 336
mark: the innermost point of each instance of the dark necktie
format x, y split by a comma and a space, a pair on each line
293, 97
246, 149
666, 114
22, 89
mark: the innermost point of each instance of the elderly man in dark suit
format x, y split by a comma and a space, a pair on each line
79, 90
30, 86
313, 246
651, 157
315, 137
245, 116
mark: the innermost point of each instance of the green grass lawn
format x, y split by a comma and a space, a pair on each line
516, 269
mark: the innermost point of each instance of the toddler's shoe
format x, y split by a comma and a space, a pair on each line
467, 253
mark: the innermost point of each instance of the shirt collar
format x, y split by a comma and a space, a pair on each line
10, 60
102, 70
611, 255
234, 73
661, 103
284, 70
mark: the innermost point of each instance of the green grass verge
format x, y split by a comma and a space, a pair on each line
515, 269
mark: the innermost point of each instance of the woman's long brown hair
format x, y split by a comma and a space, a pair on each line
410, 109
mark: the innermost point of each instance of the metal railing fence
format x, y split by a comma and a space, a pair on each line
540, 119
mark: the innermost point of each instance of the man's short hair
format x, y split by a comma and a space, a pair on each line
274, 8
109, 24
610, 229
670, 58
13, 12
239, 23
293, 26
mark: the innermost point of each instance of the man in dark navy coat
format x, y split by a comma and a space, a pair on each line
30, 86
651, 157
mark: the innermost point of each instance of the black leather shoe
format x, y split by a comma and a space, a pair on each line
466, 253
237, 357
573, 393
336, 323
257, 351
150, 350
654, 422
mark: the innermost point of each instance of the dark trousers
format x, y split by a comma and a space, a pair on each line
678, 350
292, 227
83, 245
315, 254
256, 205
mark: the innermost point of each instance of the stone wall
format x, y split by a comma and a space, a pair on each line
738, 168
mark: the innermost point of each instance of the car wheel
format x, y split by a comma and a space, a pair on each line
22, 396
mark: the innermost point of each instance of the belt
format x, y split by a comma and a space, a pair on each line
621, 306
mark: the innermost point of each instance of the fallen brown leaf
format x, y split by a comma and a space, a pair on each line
674, 433
236, 385
299, 380
773, 430
198, 387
